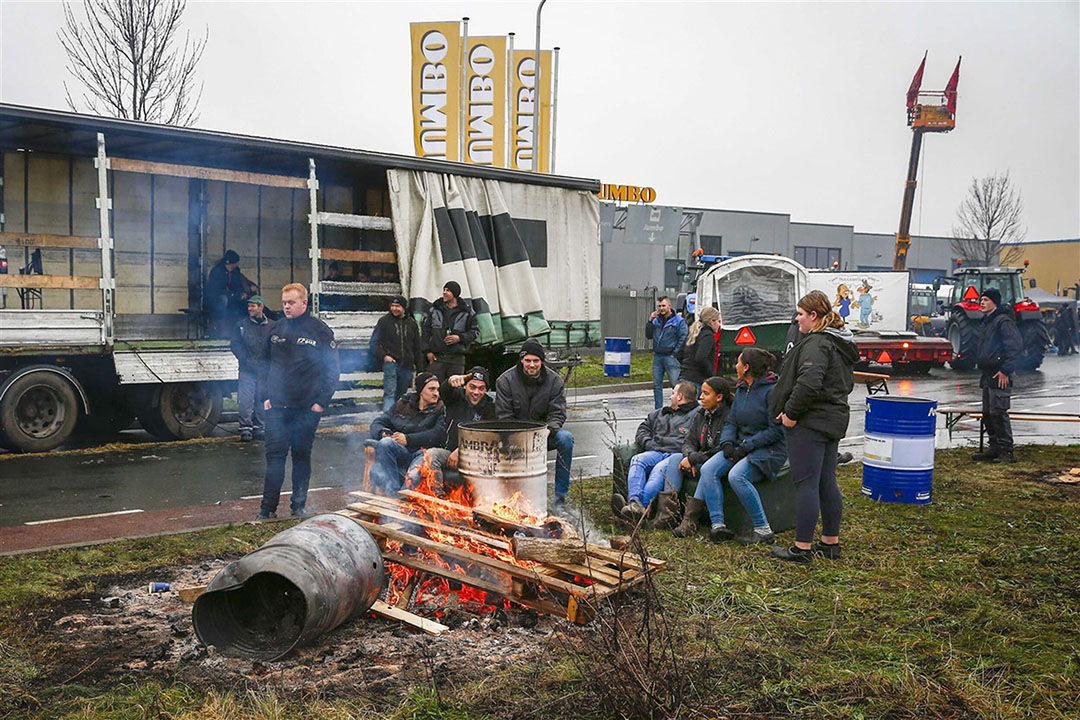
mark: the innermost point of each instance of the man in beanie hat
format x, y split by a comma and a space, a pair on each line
1000, 347
466, 400
532, 391
396, 343
449, 332
250, 345
417, 421
226, 292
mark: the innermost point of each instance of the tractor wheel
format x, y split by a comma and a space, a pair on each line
964, 336
38, 412
1033, 334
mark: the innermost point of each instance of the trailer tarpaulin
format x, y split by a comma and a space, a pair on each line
527, 257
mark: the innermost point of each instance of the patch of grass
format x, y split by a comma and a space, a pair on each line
591, 371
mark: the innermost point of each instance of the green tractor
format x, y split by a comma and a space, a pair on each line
964, 315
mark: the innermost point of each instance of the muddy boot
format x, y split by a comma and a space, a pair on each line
667, 511
695, 510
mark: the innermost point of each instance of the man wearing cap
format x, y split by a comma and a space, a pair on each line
449, 331
466, 400
531, 391
417, 421
226, 291
396, 342
1000, 347
250, 346
301, 377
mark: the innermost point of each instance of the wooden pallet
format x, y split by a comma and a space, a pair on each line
569, 590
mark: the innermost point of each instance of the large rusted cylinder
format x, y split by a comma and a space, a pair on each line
503, 457
303, 582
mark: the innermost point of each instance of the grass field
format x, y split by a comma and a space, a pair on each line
965, 608
591, 371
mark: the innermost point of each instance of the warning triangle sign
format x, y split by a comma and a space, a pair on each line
971, 293
884, 357
745, 337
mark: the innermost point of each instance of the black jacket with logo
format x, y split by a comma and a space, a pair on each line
815, 381
303, 363
442, 320
1000, 344
400, 339
459, 410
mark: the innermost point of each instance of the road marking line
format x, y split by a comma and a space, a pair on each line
1053, 404
283, 492
82, 517
578, 457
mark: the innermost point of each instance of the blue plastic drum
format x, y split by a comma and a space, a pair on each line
898, 455
616, 357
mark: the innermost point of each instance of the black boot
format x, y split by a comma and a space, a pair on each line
695, 511
986, 455
667, 511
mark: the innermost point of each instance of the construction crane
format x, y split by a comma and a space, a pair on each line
926, 112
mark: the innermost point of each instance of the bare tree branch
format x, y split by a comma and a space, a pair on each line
988, 230
127, 56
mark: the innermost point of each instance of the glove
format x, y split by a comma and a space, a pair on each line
729, 450
740, 453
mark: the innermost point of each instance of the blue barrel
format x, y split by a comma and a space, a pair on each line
898, 455
617, 357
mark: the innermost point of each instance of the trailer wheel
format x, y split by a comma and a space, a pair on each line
109, 414
38, 412
964, 338
180, 411
1034, 336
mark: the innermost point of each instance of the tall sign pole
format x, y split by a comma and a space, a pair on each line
463, 125
536, 93
510, 71
554, 106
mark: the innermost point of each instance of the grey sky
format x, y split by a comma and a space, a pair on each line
795, 108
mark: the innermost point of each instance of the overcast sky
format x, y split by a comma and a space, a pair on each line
793, 108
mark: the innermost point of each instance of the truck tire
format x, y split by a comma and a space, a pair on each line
963, 334
109, 414
180, 411
1034, 336
38, 412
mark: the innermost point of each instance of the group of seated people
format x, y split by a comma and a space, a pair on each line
423, 424
720, 430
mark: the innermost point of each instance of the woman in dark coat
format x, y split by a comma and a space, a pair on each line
698, 354
752, 447
702, 442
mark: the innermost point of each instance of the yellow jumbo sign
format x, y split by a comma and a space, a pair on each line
627, 193
485, 101
436, 88
523, 106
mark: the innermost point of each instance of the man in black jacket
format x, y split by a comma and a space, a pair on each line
449, 331
249, 345
532, 391
301, 377
1000, 346
396, 341
226, 291
417, 421
466, 400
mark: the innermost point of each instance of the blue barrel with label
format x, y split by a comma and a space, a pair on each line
898, 454
616, 357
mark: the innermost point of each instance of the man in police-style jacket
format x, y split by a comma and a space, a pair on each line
301, 376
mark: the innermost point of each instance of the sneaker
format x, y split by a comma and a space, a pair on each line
245, 436
985, 455
266, 516
299, 512
762, 536
793, 554
719, 532
830, 552
1005, 457
844, 457
633, 510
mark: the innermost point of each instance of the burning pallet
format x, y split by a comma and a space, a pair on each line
499, 553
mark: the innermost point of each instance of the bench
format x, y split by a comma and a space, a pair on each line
777, 493
953, 415
876, 383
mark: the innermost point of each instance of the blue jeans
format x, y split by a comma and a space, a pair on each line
563, 442
395, 382
247, 402
391, 462
645, 478
740, 475
663, 365
288, 430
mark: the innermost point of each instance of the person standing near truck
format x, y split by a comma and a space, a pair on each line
1000, 347
449, 331
226, 292
249, 345
301, 376
396, 339
668, 332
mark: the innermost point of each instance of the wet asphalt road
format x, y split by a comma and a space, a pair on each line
157, 476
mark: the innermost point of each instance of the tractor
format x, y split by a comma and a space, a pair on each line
964, 315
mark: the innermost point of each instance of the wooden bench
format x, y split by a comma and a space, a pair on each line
953, 415
876, 383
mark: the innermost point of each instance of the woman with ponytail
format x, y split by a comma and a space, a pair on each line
698, 357
811, 401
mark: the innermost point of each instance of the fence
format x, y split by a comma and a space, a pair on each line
623, 314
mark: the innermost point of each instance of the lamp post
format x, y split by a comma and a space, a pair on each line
536, 93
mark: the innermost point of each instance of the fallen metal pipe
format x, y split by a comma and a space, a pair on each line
302, 583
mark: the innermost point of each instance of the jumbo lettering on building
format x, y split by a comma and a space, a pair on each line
436, 88
485, 87
523, 105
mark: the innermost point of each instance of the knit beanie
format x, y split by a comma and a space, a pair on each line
993, 294
481, 374
531, 346
422, 379
454, 287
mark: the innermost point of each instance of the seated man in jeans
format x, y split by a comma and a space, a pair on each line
531, 391
661, 434
417, 421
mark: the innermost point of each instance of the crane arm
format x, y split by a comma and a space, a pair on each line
903, 235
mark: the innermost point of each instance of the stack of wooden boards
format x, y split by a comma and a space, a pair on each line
563, 577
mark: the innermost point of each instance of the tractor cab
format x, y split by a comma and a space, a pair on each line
972, 282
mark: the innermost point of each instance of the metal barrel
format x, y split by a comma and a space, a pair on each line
502, 457
898, 452
303, 582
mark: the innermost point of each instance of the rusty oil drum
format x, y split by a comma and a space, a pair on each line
502, 457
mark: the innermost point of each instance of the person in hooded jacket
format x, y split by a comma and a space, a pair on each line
698, 355
417, 421
396, 339
811, 401
534, 392
752, 447
660, 435
449, 331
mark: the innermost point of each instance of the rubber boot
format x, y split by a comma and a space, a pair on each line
667, 511
695, 510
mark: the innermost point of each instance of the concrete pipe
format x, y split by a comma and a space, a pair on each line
303, 582
502, 457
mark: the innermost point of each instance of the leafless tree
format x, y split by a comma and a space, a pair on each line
126, 54
989, 230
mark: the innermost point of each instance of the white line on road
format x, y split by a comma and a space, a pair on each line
579, 457
82, 517
1053, 404
283, 492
